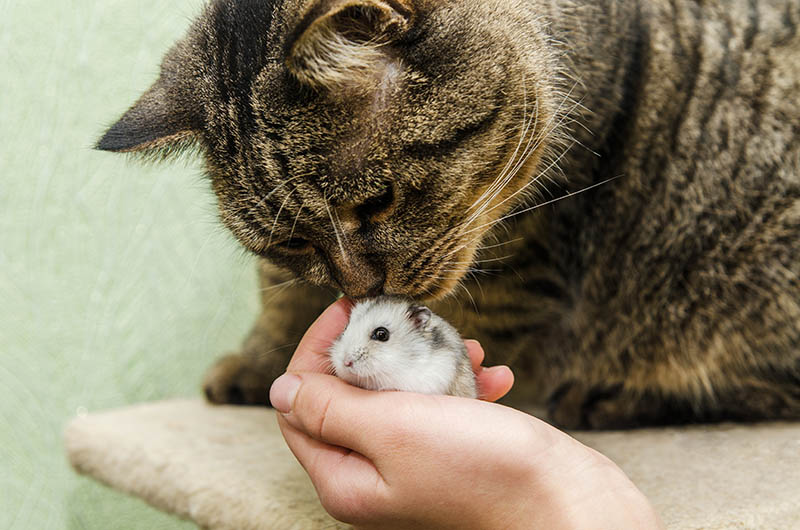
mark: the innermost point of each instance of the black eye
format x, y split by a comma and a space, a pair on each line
294, 243
381, 334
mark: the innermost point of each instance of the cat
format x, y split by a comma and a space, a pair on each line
605, 193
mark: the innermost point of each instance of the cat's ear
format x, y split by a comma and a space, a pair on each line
160, 122
342, 44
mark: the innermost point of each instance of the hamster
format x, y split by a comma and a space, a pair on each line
394, 344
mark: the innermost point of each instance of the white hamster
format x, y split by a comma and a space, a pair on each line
393, 344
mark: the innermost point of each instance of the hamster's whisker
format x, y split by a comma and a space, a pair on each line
267, 353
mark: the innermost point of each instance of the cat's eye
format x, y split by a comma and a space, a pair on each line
380, 334
374, 207
295, 244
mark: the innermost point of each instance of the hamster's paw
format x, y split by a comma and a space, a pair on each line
238, 379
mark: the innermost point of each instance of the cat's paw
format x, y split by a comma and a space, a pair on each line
575, 405
237, 379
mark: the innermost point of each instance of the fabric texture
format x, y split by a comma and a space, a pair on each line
227, 468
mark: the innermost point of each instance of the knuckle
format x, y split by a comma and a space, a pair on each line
320, 421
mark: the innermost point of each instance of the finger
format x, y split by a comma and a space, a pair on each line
495, 382
476, 353
311, 354
347, 483
329, 410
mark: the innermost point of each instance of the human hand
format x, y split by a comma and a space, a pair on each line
399, 460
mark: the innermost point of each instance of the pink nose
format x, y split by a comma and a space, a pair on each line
348, 364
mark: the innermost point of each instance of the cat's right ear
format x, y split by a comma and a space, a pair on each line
341, 42
159, 122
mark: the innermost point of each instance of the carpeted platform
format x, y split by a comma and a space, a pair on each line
227, 468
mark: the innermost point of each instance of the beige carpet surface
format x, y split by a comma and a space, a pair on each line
227, 468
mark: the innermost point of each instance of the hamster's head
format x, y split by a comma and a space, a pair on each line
384, 346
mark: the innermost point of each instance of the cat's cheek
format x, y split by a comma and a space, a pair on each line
307, 267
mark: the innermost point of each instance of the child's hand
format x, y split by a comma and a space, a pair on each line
397, 459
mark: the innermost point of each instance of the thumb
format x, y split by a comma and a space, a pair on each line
328, 409
311, 354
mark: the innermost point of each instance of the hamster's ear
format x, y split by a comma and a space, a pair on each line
342, 40
420, 316
164, 119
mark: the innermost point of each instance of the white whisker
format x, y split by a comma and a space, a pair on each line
336, 232
275, 222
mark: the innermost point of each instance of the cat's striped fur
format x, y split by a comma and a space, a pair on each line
664, 287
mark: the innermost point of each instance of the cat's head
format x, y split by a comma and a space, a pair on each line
363, 144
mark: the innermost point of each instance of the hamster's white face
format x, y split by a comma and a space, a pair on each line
382, 348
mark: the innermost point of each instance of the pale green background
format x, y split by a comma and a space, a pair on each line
117, 283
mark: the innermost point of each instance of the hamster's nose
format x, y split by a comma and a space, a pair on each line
348, 363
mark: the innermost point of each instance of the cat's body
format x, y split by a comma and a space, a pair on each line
668, 294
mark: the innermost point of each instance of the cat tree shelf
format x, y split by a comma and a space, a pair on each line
227, 468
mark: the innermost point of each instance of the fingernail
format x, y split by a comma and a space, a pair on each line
499, 368
283, 392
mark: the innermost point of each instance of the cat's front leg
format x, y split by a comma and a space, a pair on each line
288, 309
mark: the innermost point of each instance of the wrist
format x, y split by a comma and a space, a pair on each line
594, 494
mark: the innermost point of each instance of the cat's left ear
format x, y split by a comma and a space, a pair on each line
165, 118
342, 41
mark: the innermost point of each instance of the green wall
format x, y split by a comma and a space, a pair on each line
117, 283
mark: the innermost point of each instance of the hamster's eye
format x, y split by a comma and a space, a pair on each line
381, 334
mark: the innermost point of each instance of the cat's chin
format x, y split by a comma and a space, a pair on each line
435, 290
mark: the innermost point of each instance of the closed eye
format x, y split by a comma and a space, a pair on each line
426, 149
295, 244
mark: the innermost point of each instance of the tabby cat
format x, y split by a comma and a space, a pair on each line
605, 193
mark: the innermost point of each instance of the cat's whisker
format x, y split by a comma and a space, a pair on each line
547, 203
542, 173
336, 232
279, 285
471, 274
503, 177
275, 222
554, 163
491, 223
533, 181
482, 248
497, 245
479, 262
296, 218
549, 127
524, 129
469, 294
339, 222
251, 208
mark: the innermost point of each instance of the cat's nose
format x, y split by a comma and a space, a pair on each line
365, 287
357, 276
